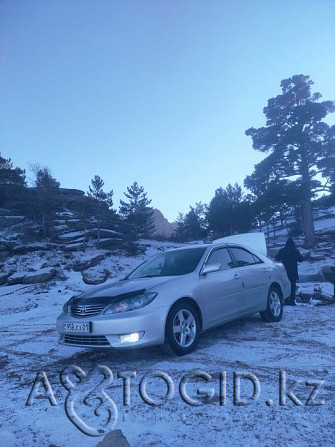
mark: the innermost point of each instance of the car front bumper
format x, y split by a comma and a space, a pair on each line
105, 330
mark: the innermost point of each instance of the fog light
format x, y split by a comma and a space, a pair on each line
131, 338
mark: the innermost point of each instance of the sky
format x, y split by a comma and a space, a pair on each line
158, 92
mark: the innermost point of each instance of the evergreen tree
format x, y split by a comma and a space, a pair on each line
86, 209
9, 175
179, 234
12, 182
229, 212
136, 214
101, 206
272, 199
43, 200
193, 225
300, 145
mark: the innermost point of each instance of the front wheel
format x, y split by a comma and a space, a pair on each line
182, 329
274, 310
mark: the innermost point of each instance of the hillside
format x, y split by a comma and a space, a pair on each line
26, 262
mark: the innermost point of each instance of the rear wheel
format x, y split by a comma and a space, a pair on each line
182, 329
274, 310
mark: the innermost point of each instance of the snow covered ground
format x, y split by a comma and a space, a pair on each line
299, 348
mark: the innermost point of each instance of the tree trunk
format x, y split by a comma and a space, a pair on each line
307, 223
307, 216
268, 230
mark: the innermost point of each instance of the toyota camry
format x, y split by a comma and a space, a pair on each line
173, 297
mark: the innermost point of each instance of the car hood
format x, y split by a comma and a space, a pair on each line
125, 287
255, 241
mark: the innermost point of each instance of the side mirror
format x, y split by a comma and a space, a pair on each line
210, 269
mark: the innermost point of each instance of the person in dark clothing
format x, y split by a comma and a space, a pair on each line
290, 256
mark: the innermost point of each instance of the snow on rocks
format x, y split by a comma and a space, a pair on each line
16, 278
85, 263
95, 276
42, 275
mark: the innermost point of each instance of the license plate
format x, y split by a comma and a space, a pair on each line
76, 327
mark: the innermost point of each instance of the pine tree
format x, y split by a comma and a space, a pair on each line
272, 199
192, 226
86, 209
136, 214
102, 204
12, 183
9, 175
301, 146
43, 200
229, 212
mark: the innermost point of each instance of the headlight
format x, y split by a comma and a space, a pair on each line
66, 306
131, 303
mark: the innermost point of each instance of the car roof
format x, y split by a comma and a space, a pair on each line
216, 245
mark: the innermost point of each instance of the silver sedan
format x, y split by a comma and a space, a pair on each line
172, 297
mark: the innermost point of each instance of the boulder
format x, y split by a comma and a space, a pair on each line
16, 278
85, 264
42, 275
93, 276
114, 438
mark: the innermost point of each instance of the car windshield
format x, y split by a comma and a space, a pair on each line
171, 263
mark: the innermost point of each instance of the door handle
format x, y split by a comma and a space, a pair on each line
236, 276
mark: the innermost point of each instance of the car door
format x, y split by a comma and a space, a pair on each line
220, 291
254, 274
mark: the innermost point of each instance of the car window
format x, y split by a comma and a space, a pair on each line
220, 256
154, 268
244, 257
177, 262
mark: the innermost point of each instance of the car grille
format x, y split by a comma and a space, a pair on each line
87, 310
85, 340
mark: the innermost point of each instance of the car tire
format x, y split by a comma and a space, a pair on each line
275, 305
182, 330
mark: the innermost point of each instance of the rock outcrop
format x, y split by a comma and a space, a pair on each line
41, 275
163, 227
114, 438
